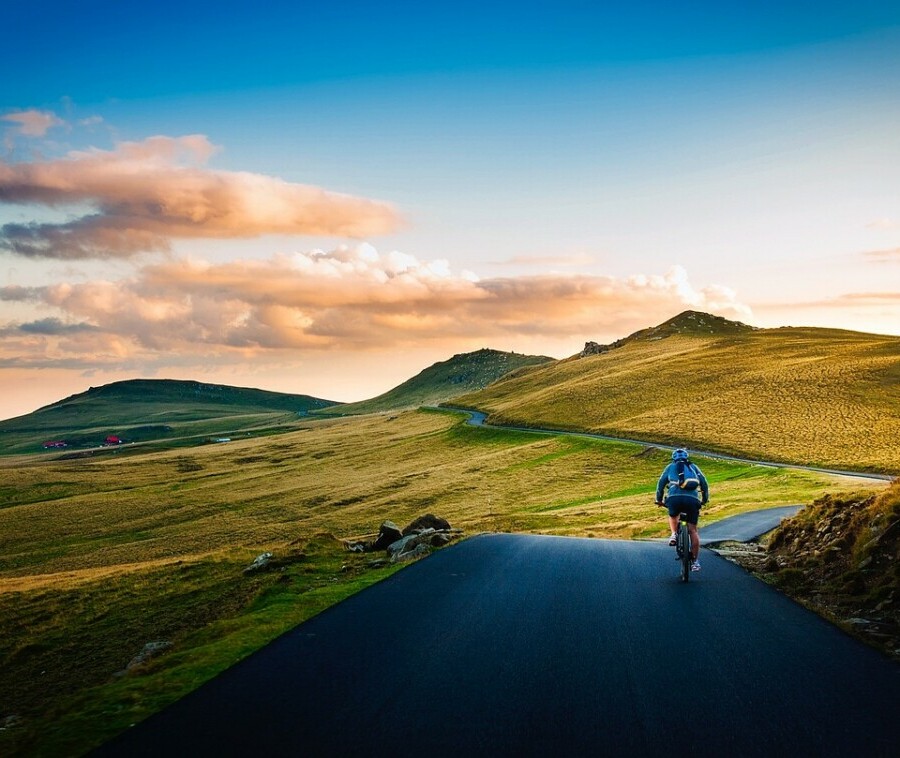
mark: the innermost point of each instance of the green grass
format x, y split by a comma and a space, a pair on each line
148, 410
102, 555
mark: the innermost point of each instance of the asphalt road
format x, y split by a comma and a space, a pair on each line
521, 645
745, 526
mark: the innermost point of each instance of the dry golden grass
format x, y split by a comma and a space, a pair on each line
809, 396
345, 476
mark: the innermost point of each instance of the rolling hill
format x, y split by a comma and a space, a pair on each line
445, 380
801, 395
146, 409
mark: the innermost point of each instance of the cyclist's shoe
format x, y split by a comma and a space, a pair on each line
695, 566
673, 539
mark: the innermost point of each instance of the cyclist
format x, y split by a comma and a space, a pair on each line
686, 491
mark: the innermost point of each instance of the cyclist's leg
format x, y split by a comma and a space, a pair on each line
693, 515
695, 541
673, 506
673, 523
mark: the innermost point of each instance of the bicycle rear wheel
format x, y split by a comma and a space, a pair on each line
684, 550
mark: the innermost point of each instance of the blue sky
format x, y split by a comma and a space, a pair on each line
596, 166
95, 51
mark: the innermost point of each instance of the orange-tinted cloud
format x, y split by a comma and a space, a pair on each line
883, 256
147, 193
345, 299
32, 123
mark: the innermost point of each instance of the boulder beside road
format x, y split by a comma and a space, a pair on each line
387, 535
414, 541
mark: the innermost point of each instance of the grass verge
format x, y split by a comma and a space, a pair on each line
68, 677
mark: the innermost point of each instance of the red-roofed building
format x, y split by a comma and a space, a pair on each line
113, 440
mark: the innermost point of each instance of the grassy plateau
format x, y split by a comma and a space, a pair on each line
102, 555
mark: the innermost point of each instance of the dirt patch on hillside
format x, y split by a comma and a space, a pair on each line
841, 558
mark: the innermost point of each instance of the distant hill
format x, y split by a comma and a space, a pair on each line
686, 324
805, 395
146, 409
445, 380
692, 323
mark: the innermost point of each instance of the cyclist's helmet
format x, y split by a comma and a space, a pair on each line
679, 455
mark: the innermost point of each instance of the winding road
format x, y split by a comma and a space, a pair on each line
746, 526
478, 418
523, 645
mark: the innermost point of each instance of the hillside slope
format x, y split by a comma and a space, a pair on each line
143, 409
801, 395
445, 380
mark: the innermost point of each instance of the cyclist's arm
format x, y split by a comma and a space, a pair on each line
704, 487
660, 486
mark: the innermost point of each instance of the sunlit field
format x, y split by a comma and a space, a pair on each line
105, 553
808, 396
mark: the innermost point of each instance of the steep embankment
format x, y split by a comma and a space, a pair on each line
465, 372
799, 395
841, 557
146, 409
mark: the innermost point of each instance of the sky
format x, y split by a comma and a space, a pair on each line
326, 198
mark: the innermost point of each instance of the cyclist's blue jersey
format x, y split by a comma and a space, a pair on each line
668, 483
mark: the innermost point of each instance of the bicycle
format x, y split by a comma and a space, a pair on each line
683, 546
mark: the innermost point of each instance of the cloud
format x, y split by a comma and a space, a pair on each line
46, 327
864, 298
883, 256
578, 259
883, 223
54, 326
350, 298
844, 302
145, 194
33, 123
14, 293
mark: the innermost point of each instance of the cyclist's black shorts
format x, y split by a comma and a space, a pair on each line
684, 504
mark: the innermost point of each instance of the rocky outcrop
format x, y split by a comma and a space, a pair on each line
150, 650
415, 541
10, 722
387, 534
269, 562
593, 348
260, 563
428, 521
